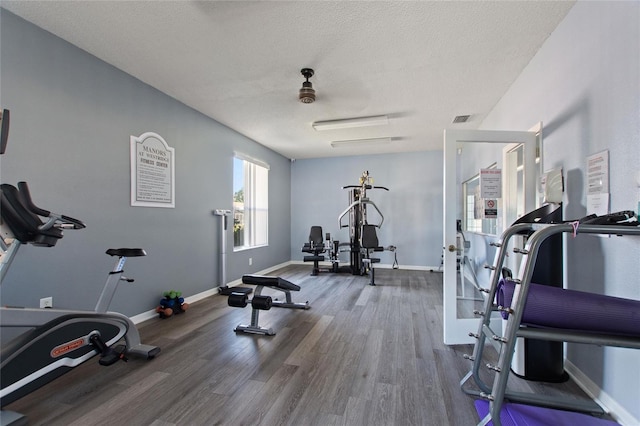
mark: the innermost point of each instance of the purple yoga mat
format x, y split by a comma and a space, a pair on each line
555, 307
527, 415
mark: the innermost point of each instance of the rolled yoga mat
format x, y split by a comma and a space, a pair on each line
555, 307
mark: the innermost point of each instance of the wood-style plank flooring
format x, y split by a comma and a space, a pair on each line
361, 355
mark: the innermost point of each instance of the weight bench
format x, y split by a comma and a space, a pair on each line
264, 303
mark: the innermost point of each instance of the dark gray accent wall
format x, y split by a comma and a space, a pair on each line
412, 208
72, 116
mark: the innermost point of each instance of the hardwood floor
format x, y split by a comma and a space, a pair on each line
361, 355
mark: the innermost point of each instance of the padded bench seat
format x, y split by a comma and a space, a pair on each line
268, 281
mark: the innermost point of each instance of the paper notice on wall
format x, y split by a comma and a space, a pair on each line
598, 204
490, 208
490, 183
598, 173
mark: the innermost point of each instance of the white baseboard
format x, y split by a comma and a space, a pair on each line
608, 404
378, 266
145, 316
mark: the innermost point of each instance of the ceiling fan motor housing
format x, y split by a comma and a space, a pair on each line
307, 94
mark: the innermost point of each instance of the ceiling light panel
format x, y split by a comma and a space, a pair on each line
360, 142
347, 123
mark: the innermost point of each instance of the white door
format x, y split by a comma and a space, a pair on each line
457, 322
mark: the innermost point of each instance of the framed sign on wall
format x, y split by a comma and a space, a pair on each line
152, 171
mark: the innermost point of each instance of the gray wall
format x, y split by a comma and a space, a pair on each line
584, 86
71, 119
412, 208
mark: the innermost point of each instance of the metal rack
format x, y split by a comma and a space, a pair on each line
504, 342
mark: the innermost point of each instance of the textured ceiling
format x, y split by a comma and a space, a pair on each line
238, 62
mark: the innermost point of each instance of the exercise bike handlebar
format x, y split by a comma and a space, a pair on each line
55, 219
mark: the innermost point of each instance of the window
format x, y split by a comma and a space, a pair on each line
470, 192
250, 202
469, 189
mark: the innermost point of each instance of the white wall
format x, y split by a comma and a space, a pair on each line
584, 85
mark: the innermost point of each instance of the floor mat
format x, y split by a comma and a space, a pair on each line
528, 415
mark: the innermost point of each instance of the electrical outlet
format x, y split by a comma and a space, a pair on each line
250, 261
46, 302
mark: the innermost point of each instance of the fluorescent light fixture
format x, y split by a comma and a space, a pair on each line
348, 123
360, 142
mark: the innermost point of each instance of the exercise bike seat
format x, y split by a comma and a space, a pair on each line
268, 281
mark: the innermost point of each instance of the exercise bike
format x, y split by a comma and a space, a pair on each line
57, 340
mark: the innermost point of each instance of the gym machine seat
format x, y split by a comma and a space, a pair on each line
370, 243
315, 246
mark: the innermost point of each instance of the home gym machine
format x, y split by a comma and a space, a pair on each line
363, 240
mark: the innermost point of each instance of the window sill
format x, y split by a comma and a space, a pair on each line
245, 248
